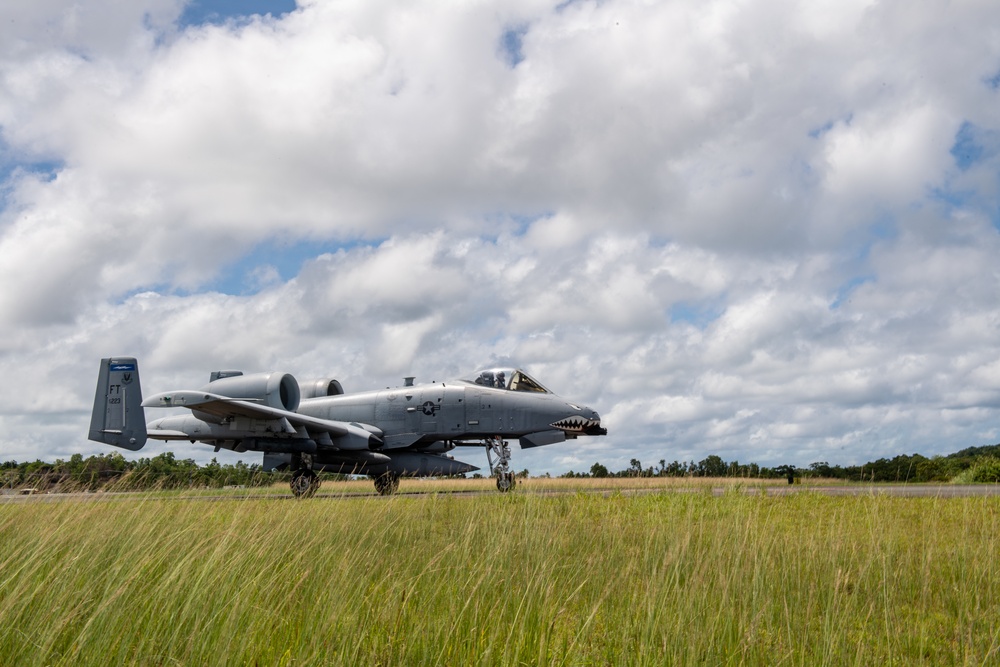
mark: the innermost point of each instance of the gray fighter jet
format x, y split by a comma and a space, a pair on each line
314, 426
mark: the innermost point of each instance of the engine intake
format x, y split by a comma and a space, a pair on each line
276, 390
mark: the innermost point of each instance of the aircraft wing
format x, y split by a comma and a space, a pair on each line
225, 407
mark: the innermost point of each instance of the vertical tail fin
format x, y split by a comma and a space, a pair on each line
118, 418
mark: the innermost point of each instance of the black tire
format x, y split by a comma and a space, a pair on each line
505, 482
386, 484
304, 483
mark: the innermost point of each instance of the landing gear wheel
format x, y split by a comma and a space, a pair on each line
386, 484
304, 483
506, 482
496, 446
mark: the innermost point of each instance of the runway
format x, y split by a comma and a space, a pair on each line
893, 490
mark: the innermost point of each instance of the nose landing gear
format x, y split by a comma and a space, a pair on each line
496, 446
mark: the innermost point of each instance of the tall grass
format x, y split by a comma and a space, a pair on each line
653, 579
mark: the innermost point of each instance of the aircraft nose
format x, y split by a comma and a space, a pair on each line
594, 426
583, 421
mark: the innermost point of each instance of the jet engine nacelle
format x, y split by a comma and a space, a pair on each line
276, 390
320, 388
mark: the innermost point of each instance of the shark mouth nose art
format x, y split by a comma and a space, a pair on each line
579, 424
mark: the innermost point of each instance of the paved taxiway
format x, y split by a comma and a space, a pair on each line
895, 490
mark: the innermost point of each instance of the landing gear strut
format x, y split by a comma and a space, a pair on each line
386, 484
496, 446
305, 482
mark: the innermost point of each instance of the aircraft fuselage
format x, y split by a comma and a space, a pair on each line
425, 414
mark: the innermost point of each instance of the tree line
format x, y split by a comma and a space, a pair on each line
114, 471
711, 466
970, 465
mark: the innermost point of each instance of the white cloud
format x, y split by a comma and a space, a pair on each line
761, 230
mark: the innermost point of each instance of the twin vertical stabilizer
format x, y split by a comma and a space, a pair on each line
118, 418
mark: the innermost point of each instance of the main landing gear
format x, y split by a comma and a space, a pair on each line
305, 482
386, 484
496, 446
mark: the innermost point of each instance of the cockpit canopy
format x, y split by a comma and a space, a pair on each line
511, 379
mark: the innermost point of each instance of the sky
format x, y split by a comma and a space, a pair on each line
765, 230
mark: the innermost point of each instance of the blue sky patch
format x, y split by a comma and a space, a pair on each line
970, 200
699, 314
965, 150
829, 125
821, 130
884, 228
845, 291
267, 264
272, 262
973, 145
516, 224
952, 198
200, 12
47, 170
512, 44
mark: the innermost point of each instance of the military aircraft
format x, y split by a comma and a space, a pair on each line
314, 426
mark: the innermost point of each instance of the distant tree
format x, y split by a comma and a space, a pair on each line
986, 470
10, 477
635, 468
597, 470
675, 469
821, 469
712, 466
974, 452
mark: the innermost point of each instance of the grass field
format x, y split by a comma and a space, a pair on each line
579, 578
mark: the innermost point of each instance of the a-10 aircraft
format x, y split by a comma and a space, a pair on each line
314, 426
